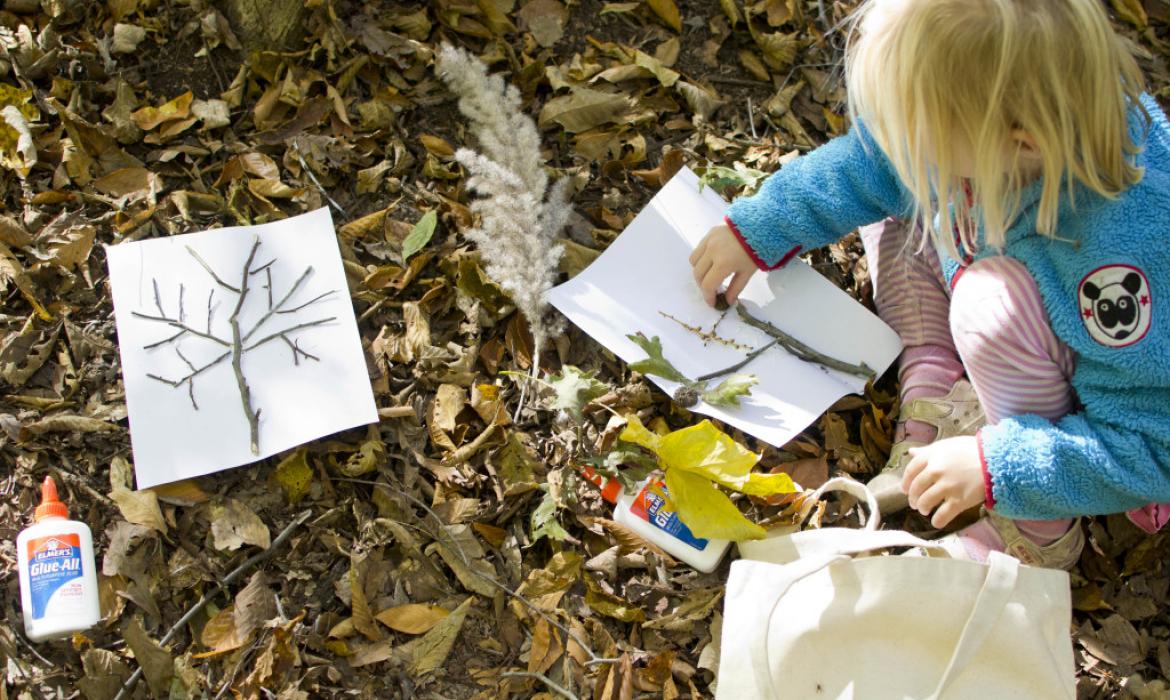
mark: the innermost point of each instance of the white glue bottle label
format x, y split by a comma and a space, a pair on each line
58, 583
650, 513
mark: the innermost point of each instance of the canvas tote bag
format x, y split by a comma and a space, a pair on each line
807, 615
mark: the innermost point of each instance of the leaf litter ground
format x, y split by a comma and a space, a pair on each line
448, 552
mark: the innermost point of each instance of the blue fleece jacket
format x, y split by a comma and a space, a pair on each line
1105, 282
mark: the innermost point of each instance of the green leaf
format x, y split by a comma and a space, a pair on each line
420, 235
544, 521
721, 178
728, 391
655, 364
625, 462
575, 389
706, 510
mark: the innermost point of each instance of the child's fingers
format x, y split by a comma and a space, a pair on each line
913, 467
701, 267
711, 282
698, 252
738, 282
931, 498
947, 512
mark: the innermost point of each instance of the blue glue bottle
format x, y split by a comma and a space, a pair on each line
650, 513
58, 583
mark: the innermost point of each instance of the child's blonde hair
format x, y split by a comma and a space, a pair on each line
928, 77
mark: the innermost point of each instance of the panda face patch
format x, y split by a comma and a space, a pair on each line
1115, 305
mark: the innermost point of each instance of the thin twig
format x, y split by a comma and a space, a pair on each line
268, 284
310, 302
238, 352
235, 573
190, 382
552, 685
181, 326
742, 82
750, 356
157, 298
290, 329
296, 351
164, 341
271, 309
210, 308
179, 382
309, 172
211, 272
182, 312
801, 350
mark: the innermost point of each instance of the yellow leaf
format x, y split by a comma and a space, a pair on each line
706, 451
294, 475
413, 618
149, 117
706, 510
667, 11
638, 434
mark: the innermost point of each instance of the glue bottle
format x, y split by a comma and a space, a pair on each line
58, 584
650, 513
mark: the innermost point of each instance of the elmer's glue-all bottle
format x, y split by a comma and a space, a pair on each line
58, 584
649, 513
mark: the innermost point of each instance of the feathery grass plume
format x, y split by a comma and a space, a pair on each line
520, 214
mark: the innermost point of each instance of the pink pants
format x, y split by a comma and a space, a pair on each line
990, 322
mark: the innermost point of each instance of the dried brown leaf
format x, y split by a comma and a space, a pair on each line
233, 524
156, 662
69, 423
13, 234
584, 109
609, 604
546, 647
432, 650
180, 493
413, 618
140, 507
545, 19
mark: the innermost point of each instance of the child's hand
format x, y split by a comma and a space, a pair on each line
947, 475
718, 255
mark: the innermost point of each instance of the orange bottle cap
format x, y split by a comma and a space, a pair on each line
610, 488
50, 507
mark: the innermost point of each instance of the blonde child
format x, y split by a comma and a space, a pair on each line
1020, 181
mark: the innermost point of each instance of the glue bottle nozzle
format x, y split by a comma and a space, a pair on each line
50, 506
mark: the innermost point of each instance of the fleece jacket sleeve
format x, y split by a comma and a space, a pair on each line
818, 198
1040, 470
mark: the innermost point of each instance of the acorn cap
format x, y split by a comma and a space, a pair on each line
50, 507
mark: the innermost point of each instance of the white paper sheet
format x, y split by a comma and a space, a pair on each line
645, 274
297, 402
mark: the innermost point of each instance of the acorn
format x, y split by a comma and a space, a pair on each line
721, 302
686, 396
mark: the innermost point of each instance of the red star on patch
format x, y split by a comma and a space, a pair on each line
1087, 313
1145, 300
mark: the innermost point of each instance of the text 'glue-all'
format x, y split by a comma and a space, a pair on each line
650, 513
58, 584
